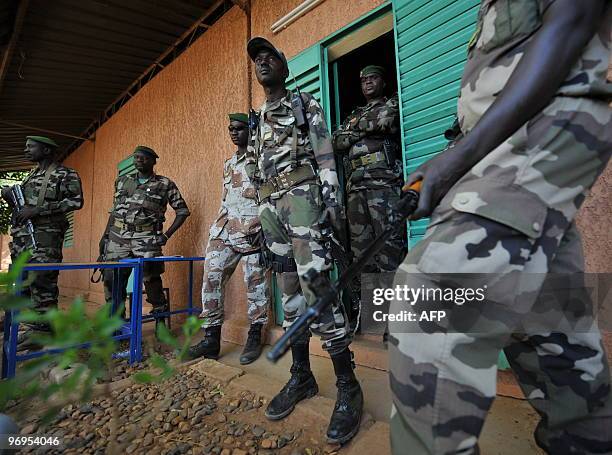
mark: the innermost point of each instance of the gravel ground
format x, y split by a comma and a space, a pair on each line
187, 414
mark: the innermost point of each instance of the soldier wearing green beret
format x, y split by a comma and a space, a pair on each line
369, 139
135, 226
234, 237
50, 192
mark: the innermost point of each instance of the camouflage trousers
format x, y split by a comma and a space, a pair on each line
221, 262
511, 216
124, 245
367, 211
43, 289
291, 229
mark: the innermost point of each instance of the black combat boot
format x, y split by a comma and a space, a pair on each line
344, 422
210, 346
301, 385
159, 320
252, 347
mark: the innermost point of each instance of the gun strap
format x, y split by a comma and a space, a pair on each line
93, 277
45, 183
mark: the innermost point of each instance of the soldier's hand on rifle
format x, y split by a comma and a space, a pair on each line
26, 213
438, 174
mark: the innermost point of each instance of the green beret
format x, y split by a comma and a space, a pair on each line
373, 69
239, 117
146, 150
43, 140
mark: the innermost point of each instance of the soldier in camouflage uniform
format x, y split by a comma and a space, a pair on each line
51, 191
291, 160
534, 109
234, 236
135, 226
370, 138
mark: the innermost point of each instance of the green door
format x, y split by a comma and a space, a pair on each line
431, 46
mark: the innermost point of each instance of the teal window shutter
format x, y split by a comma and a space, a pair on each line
69, 236
306, 68
126, 166
431, 48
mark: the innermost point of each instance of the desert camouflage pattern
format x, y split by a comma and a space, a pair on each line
140, 208
237, 222
233, 238
290, 217
63, 195
221, 262
511, 216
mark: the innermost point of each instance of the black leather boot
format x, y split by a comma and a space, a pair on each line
210, 346
344, 422
252, 347
301, 385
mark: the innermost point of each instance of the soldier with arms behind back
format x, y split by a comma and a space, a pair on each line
234, 236
135, 226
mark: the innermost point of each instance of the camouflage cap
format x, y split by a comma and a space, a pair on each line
373, 69
258, 43
146, 150
43, 140
239, 117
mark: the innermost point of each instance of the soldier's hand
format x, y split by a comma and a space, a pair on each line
161, 239
26, 214
439, 174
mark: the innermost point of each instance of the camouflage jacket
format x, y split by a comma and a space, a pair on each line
63, 194
504, 30
144, 204
363, 132
271, 144
237, 221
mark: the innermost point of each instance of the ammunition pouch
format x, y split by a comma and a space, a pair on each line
280, 264
370, 158
285, 181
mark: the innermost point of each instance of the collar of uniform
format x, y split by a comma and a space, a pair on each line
286, 100
240, 157
135, 177
382, 100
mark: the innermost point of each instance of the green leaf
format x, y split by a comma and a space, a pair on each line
164, 335
143, 377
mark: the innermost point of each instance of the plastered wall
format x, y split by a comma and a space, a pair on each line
181, 113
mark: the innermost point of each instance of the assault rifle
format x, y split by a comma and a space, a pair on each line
327, 292
19, 203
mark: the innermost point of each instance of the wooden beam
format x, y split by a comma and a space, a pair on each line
10, 48
35, 128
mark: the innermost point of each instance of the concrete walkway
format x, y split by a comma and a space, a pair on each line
508, 429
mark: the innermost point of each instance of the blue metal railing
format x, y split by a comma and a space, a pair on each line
131, 331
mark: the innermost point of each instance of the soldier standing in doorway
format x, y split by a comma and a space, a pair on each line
370, 138
235, 235
135, 226
292, 162
535, 113
51, 191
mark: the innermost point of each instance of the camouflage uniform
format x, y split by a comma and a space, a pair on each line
137, 218
62, 195
373, 188
511, 215
233, 237
290, 217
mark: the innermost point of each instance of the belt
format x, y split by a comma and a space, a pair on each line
370, 158
133, 227
285, 181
